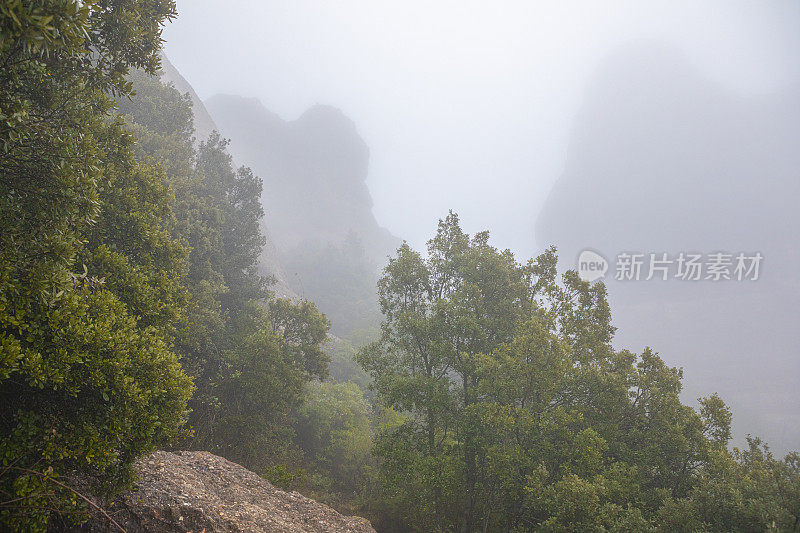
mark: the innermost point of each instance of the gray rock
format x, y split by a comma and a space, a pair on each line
201, 492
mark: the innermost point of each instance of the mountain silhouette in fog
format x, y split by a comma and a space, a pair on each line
314, 170
662, 159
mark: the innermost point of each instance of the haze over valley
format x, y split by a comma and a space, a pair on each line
664, 144
399, 267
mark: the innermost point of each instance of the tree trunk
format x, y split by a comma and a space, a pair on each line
470, 479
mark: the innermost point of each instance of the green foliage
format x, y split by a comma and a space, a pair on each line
335, 434
747, 490
343, 365
302, 330
255, 385
340, 280
131, 243
250, 354
128, 264
88, 377
90, 392
516, 414
280, 475
166, 235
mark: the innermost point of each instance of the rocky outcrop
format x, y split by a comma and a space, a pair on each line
317, 204
314, 170
201, 492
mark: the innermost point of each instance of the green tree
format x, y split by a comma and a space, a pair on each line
334, 430
441, 314
516, 414
249, 354
747, 490
86, 366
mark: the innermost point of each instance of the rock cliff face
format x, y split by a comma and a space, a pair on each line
200, 492
314, 171
664, 160
318, 207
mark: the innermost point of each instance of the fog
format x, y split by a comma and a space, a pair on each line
664, 127
464, 105
400, 266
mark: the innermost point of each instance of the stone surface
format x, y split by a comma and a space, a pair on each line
201, 492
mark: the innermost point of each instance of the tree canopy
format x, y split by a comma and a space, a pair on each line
515, 413
130, 302
132, 316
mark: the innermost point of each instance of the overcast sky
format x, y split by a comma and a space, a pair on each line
464, 105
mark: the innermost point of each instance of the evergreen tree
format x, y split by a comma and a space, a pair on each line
88, 378
249, 354
514, 412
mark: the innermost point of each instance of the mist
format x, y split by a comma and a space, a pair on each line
465, 105
390, 267
540, 123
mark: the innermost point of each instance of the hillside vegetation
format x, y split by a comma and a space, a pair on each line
474, 391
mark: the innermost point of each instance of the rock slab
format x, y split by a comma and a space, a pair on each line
202, 493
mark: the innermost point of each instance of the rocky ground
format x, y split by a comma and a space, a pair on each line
200, 492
